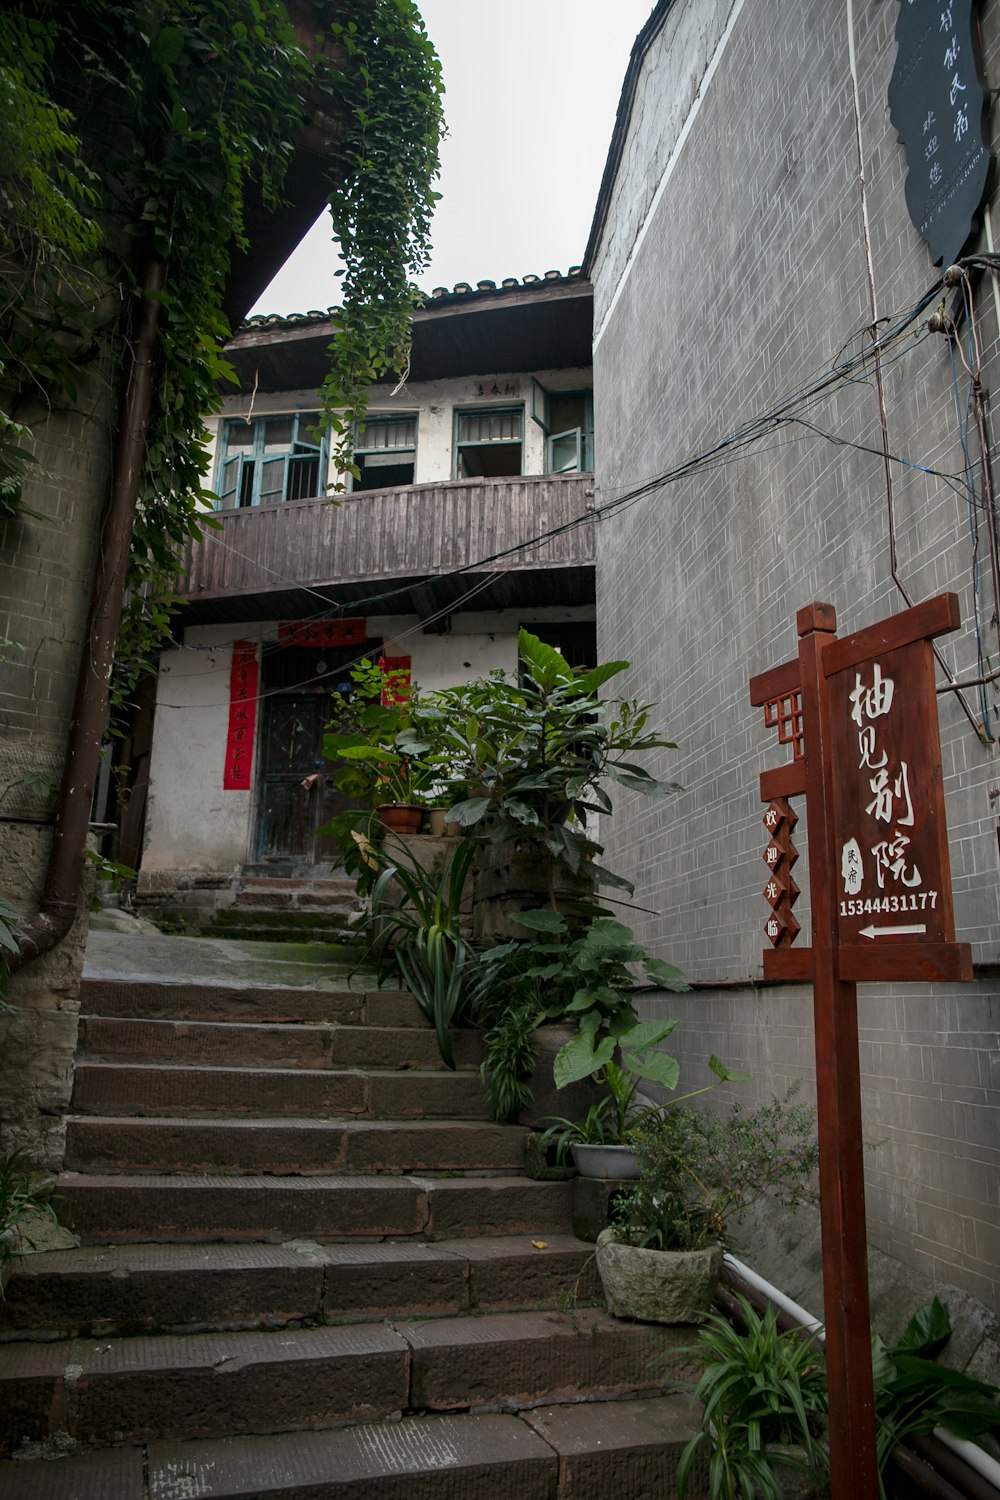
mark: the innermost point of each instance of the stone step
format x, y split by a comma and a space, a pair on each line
132, 1289
289, 1147
153, 1001
132, 1390
133, 1209
228, 1043
146, 1089
627, 1449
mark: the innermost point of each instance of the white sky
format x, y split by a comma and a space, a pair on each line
532, 88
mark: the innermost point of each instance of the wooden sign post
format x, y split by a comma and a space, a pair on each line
860, 714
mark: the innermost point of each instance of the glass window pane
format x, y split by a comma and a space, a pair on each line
239, 436
277, 433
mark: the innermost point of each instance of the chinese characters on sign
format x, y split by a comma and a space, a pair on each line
244, 676
889, 838
937, 103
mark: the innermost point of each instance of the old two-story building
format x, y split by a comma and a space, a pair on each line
471, 516
759, 224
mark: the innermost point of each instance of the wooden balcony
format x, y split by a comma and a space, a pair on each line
418, 548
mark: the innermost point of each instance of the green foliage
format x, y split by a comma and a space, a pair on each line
18, 1197
761, 1392
109, 873
421, 935
377, 753
586, 977
914, 1394
382, 213
767, 1390
130, 131
608, 1121
10, 918
700, 1173
509, 1060
538, 752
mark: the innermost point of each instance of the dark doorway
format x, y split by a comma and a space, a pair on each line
300, 683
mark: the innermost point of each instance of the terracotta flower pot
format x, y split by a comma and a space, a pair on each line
401, 817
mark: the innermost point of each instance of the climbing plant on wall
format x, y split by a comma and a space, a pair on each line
138, 130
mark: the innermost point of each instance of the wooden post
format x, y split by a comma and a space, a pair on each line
853, 1468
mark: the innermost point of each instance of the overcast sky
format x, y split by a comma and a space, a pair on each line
532, 88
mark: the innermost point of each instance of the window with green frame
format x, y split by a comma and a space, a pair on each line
567, 419
269, 459
385, 451
489, 441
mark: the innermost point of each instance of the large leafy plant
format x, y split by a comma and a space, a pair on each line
914, 1393
537, 754
587, 977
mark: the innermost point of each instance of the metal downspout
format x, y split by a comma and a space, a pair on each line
62, 878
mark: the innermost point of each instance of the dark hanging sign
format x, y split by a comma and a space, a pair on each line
937, 101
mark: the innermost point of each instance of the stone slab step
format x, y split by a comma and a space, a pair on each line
116, 1209
231, 1044
202, 1385
131, 1289
147, 1089
180, 1000
131, 1390
626, 1449
287, 1147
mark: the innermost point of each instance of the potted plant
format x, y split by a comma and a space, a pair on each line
599, 1143
416, 914
536, 753
698, 1174
376, 756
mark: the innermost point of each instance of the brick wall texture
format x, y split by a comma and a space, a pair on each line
732, 271
46, 566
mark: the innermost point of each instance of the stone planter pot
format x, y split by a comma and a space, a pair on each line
657, 1286
614, 1163
436, 823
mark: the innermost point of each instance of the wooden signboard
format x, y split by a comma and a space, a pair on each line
860, 716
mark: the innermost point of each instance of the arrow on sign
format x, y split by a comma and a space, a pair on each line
873, 932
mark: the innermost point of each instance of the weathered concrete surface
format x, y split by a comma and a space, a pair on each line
785, 1249
38, 1037
657, 1286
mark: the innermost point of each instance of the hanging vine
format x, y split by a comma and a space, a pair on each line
156, 120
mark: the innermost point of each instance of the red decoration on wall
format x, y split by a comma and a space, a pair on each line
396, 670
322, 632
244, 676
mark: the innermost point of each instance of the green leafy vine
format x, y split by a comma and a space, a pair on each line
131, 131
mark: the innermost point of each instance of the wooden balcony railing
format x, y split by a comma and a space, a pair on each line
412, 532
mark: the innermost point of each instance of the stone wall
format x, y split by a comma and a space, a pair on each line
743, 274
46, 566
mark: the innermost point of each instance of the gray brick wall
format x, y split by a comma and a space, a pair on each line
749, 278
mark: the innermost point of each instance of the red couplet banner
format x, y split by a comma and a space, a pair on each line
244, 676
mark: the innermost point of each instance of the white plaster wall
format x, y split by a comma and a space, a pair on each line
191, 821
194, 825
435, 402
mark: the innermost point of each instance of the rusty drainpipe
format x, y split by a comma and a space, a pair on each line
83, 750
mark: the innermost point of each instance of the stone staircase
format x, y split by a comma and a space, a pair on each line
290, 906
311, 1267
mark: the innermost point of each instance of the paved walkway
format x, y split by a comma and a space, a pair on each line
132, 952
